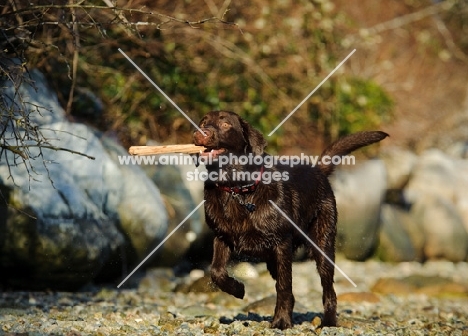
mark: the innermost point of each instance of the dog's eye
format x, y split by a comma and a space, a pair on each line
225, 125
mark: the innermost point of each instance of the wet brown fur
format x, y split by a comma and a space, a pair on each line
306, 197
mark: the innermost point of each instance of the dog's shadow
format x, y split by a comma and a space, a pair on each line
298, 318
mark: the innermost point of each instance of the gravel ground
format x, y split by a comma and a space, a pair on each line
390, 299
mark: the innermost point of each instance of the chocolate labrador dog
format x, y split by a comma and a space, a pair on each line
244, 195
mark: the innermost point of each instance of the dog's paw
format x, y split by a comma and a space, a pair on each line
281, 322
237, 290
230, 285
329, 321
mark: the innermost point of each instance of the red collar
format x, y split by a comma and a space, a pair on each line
245, 189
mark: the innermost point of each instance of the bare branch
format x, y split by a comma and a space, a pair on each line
76, 47
57, 29
17, 150
448, 38
409, 18
119, 10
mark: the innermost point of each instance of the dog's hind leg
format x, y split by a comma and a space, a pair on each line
323, 233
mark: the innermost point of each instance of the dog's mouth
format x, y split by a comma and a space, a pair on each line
213, 152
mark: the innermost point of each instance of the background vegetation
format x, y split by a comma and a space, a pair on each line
259, 59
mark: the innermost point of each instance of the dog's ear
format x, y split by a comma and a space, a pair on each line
253, 137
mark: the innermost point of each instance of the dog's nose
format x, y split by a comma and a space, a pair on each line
199, 138
207, 132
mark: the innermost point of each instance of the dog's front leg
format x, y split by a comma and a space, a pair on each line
284, 296
219, 275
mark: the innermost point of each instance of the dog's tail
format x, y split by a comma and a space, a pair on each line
345, 146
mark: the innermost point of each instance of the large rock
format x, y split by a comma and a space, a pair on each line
359, 194
459, 150
141, 210
436, 174
442, 227
461, 196
182, 196
399, 164
443, 177
396, 243
68, 216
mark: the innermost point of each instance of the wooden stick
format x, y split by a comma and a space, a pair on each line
153, 150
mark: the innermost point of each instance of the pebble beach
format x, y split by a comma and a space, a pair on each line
389, 299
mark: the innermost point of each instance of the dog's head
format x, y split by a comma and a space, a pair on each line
226, 132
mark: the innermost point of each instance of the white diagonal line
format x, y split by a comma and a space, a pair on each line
162, 92
313, 91
310, 241
161, 243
